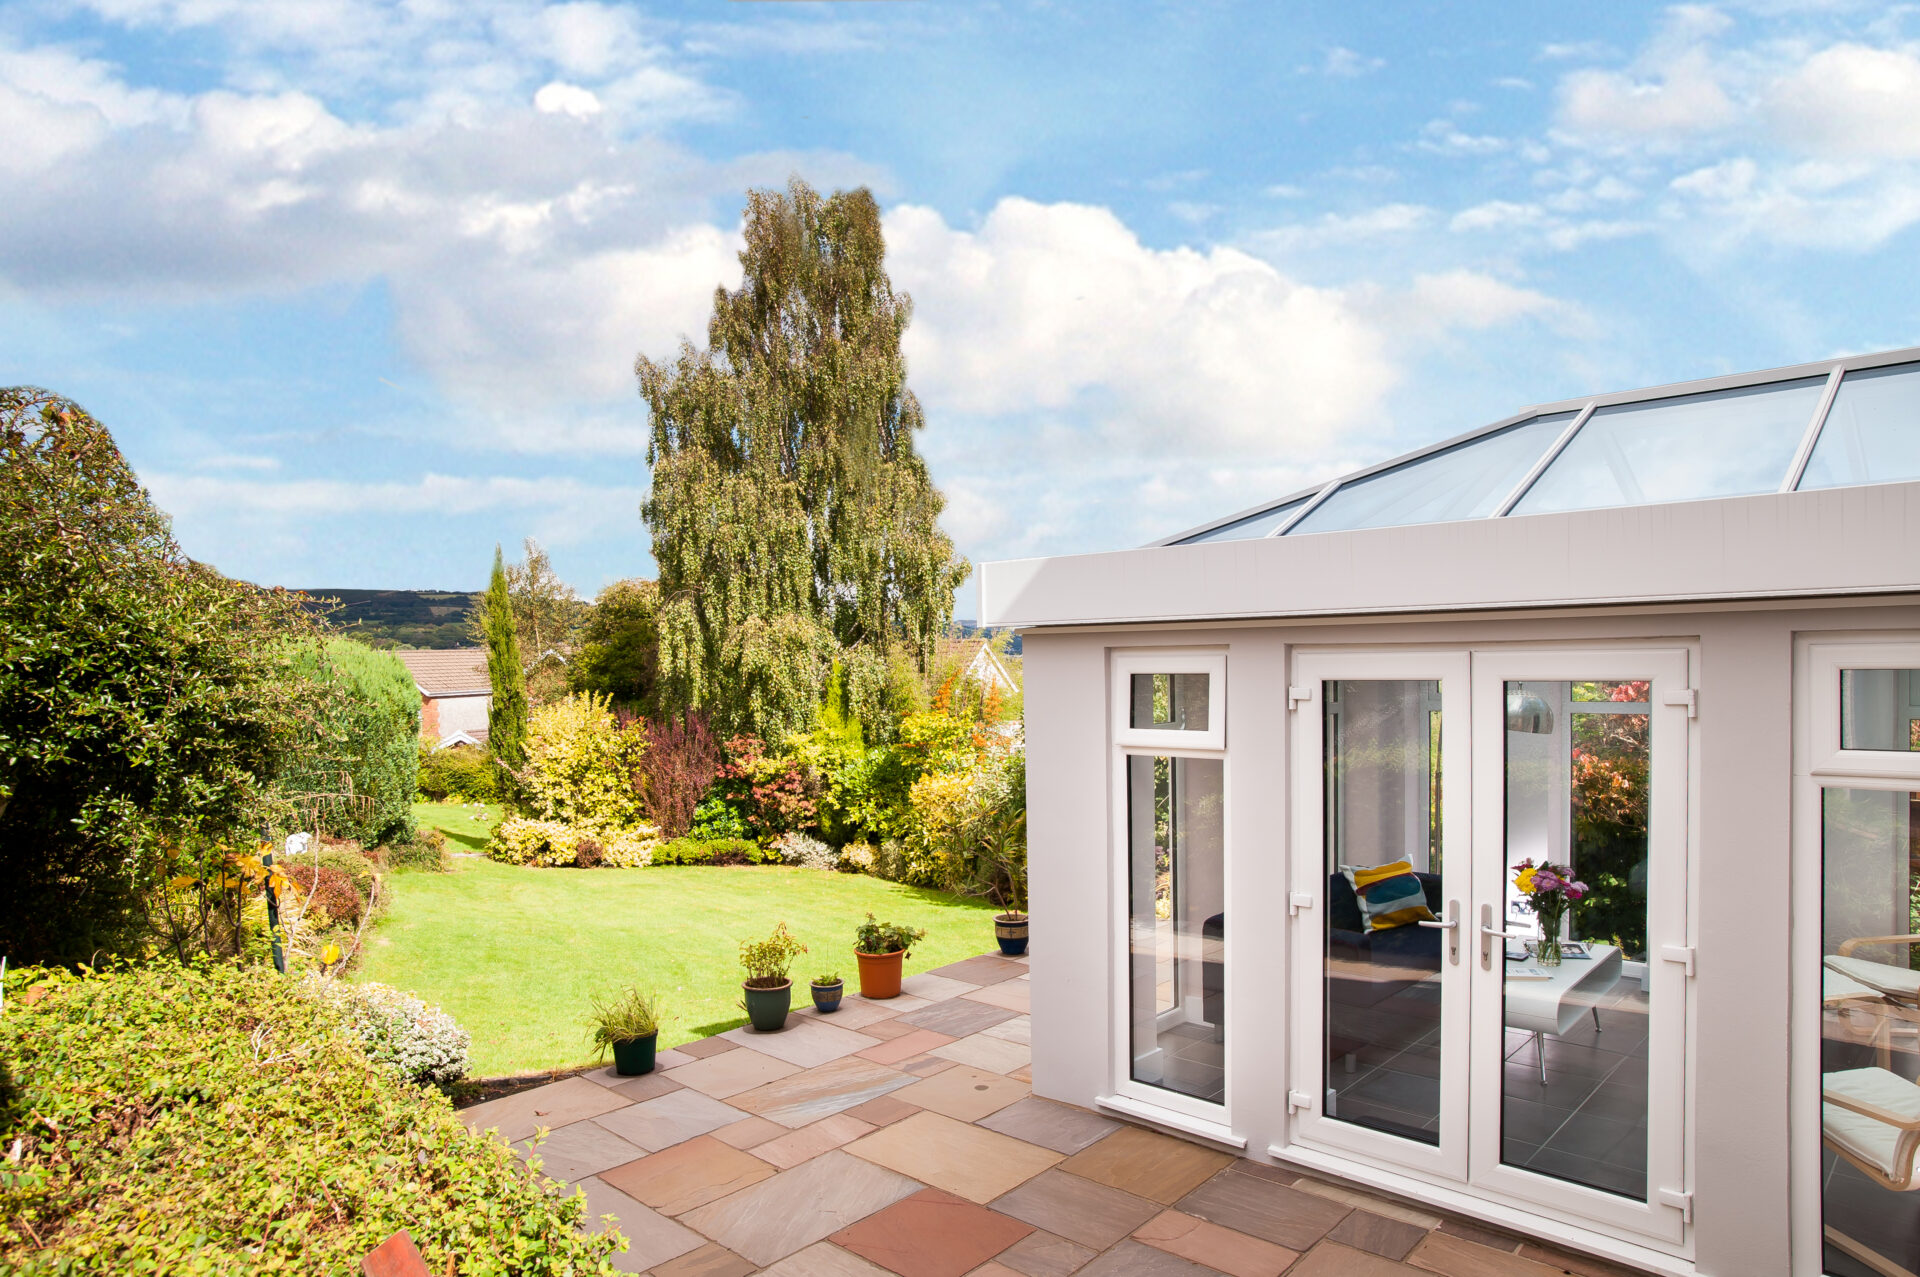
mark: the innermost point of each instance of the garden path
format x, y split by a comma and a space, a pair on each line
902, 1139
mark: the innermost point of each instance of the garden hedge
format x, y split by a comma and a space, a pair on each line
216, 1120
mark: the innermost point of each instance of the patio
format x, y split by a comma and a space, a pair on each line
902, 1137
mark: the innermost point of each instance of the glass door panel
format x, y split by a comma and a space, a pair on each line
1579, 998
1574, 1077
1176, 924
1381, 1037
1381, 983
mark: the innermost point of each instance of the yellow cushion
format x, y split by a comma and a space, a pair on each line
1389, 895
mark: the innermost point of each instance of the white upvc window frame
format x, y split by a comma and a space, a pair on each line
1170, 661
1819, 763
1143, 1099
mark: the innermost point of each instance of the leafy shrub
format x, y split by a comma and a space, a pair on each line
625, 1018
555, 843
766, 961
715, 818
143, 697
680, 764
582, 764
360, 770
811, 853
717, 851
884, 937
458, 771
775, 793
424, 1043
221, 1120
973, 823
328, 891
426, 852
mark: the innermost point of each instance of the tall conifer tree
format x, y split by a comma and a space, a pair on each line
793, 521
507, 715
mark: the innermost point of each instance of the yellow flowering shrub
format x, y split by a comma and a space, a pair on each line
518, 840
583, 767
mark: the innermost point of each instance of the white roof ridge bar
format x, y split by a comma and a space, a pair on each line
1804, 454
1547, 458
1318, 499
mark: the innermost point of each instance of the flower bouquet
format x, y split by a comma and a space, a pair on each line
1550, 890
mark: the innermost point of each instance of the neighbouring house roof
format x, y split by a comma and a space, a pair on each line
457, 671
975, 658
477, 738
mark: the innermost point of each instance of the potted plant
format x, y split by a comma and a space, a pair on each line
881, 949
630, 1025
826, 992
769, 991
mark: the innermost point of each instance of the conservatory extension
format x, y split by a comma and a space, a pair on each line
1528, 827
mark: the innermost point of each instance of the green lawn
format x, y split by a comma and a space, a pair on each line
514, 953
466, 825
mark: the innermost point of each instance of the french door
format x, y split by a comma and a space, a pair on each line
1433, 1033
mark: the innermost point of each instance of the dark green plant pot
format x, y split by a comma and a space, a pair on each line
634, 1056
826, 997
767, 1008
1011, 931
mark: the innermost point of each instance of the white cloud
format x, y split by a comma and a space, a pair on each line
1345, 64
1330, 229
1849, 100
1496, 215
562, 98
1056, 307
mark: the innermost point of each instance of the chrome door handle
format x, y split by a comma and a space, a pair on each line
1452, 927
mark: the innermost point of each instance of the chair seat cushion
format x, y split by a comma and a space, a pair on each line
1879, 1144
1893, 981
1835, 987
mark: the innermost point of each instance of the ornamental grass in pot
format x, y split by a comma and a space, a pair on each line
769, 992
629, 1025
881, 948
827, 990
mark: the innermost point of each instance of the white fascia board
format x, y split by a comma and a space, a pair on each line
1861, 540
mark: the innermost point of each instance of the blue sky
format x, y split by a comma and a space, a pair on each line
359, 286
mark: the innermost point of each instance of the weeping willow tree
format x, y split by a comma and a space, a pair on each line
794, 524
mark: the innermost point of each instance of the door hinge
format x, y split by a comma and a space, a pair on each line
1682, 954
1682, 1202
1298, 900
1690, 699
1297, 1100
1297, 694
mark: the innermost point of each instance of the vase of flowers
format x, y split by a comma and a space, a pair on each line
1550, 891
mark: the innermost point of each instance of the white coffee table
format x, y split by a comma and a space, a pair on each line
1554, 1005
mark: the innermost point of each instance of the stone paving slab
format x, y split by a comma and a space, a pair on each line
556, 1104
806, 1043
798, 1207
964, 1159
661, 1123
833, 1088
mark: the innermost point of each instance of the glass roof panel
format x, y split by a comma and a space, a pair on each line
1872, 433
1468, 481
1725, 443
1254, 525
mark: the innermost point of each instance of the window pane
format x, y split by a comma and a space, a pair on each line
1169, 702
1880, 709
1177, 924
1574, 1094
1872, 433
1254, 525
1467, 482
1870, 1030
1725, 444
1383, 988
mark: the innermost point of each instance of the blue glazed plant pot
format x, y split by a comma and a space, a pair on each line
1010, 929
826, 997
767, 1008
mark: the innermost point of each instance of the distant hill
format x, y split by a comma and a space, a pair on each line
398, 618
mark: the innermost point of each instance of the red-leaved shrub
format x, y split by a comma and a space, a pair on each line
681, 761
329, 890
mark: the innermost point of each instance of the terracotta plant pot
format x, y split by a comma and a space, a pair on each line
767, 1008
634, 1056
826, 997
880, 973
1010, 929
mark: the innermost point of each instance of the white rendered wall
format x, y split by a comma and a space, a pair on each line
1740, 847
463, 714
